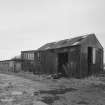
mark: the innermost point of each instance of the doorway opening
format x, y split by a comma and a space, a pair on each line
90, 60
62, 63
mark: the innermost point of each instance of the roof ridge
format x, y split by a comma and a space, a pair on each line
63, 43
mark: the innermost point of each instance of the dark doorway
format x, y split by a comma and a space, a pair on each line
62, 61
90, 57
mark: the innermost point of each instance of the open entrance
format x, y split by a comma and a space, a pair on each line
90, 59
62, 63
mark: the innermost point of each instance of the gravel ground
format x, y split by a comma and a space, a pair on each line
16, 90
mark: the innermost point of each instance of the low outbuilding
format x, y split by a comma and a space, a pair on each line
12, 65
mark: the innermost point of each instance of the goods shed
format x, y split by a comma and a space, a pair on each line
76, 57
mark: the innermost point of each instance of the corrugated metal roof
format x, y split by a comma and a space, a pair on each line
63, 43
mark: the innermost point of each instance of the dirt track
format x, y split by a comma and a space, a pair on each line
19, 91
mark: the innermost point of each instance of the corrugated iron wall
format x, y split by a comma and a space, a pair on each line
45, 62
95, 67
74, 61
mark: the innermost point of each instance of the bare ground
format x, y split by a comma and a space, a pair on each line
15, 90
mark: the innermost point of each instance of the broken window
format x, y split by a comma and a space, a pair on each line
31, 56
91, 55
24, 56
94, 55
38, 57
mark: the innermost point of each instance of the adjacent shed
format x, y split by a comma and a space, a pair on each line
76, 57
28, 61
13, 65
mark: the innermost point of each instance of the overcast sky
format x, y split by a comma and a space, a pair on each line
28, 24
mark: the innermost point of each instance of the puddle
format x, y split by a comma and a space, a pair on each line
49, 99
54, 93
57, 91
16, 93
7, 100
83, 103
38, 103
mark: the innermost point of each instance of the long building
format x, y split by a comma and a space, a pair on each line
76, 57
